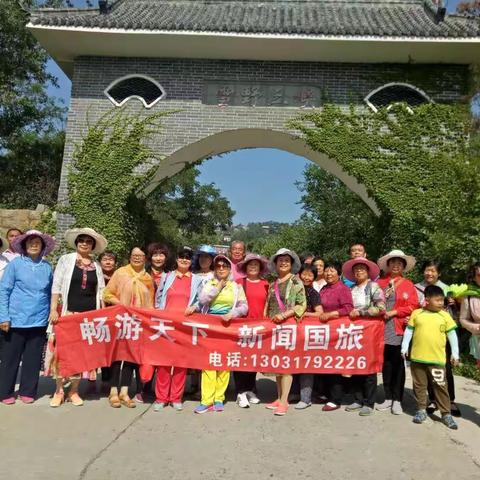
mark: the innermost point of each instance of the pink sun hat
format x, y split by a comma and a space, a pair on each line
347, 268
47, 240
242, 266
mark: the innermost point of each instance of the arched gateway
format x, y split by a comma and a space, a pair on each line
238, 71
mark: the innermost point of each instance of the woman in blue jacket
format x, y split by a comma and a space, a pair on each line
25, 291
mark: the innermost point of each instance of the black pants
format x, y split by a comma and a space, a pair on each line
121, 376
335, 384
245, 381
393, 373
21, 345
364, 389
449, 376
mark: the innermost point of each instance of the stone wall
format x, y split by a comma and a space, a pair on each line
22, 219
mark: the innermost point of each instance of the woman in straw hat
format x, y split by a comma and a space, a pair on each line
401, 300
25, 292
286, 299
368, 302
78, 281
254, 267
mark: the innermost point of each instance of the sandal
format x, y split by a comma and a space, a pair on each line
57, 399
75, 399
127, 402
114, 401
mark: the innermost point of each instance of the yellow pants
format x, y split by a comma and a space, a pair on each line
214, 386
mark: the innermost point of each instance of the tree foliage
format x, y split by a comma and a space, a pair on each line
186, 212
418, 168
30, 170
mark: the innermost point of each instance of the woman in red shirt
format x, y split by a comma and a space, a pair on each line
256, 289
401, 300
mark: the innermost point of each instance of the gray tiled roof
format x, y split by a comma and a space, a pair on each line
394, 18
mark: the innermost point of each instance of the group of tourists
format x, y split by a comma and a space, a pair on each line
420, 319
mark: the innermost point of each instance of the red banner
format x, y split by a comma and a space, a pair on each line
93, 339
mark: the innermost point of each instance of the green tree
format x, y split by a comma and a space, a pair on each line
187, 212
30, 170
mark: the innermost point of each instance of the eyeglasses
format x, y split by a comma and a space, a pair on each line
221, 265
87, 240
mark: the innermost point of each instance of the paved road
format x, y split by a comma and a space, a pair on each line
98, 442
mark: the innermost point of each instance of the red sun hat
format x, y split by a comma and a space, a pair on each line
373, 268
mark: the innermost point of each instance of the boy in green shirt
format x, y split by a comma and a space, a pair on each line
430, 327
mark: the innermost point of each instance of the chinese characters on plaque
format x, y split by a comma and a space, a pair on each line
241, 94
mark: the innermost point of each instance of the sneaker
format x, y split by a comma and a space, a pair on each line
449, 422
8, 401
353, 407
204, 408
178, 406
397, 408
302, 405
420, 416
384, 406
366, 411
138, 398
273, 406
252, 398
157, 406
330, 407
431, 408
242, 400
25, 399
218, 406
281, 410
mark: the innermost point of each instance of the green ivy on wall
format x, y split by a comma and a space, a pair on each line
105, 176
417, 166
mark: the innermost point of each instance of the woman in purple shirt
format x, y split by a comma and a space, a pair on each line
336, 300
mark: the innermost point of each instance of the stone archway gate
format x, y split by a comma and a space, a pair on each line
238, 71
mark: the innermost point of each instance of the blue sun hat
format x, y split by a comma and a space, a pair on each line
206, 249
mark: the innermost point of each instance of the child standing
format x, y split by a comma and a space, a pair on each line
430, 327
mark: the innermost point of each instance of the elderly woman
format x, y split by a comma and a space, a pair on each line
368, 302
131, 286
470, 310
108, 262
78, 282
25, 291
401, 300
224, 297
336, 300
319, 281
286, 299
308, 274
178, 293
157, 257
254, 267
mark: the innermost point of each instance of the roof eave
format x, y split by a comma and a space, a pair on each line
65, 44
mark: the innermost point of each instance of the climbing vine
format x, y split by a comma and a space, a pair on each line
417, 166
109, 166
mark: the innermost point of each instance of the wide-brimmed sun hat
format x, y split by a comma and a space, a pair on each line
242, 266
205, 250
383, 261
285, 251
373, 268
48, 241
100, 241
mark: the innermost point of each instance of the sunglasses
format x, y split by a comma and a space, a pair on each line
184, 257
222, 265
86, 240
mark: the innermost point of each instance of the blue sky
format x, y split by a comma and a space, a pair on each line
260, 183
